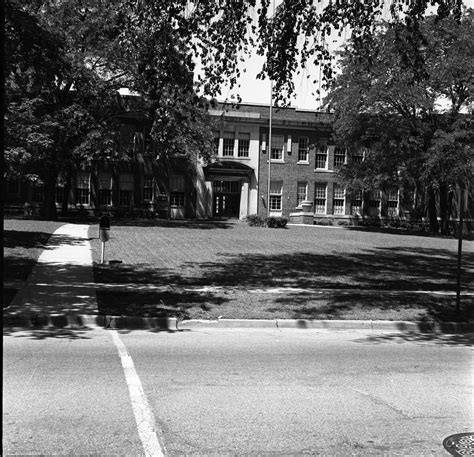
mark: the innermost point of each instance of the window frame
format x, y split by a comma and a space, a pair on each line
321, 150
243, 144
275, 203
177, 199
279, 151
303, 150
339, 155
299, 185
228, 141
319, 198
338, 198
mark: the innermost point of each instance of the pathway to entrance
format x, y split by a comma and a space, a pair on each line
62, 281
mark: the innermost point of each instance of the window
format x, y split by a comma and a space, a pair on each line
374, 202
392, 202
148, 188
277, 147
358, 156
303, 149
125, 189
301, 192
177, 187
13, 186
275, 195
356, 203
229, 141
38, 193
177, 198
226, 187
321, 157
320, 198
244, 144
339, 157
105, 189
338, 199
82, 188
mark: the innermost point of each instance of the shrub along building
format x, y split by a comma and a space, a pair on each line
302, 185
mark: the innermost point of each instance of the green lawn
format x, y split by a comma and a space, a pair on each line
23, 242
206, 270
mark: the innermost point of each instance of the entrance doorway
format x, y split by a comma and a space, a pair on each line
226, 201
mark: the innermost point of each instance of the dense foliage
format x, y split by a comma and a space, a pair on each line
388, 104
66, 59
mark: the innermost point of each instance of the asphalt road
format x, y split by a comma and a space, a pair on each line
234, 392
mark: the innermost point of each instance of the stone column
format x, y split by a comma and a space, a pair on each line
244, 199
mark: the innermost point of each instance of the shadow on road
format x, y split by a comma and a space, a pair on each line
45, 333
415, 337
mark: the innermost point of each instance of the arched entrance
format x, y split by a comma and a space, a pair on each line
230, 188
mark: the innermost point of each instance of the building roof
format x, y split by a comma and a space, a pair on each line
246, 112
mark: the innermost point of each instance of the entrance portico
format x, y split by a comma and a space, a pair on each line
228, 184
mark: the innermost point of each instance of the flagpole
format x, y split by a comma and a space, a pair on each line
270, 136
269, 148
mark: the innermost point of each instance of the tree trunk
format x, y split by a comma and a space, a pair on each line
443, 208
432, 216
67, 189
49, 204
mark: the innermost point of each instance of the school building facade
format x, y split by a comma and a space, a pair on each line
293, 175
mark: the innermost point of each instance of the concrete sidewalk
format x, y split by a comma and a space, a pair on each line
61, 283
61, 292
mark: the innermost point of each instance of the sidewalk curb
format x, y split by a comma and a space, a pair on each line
78, 321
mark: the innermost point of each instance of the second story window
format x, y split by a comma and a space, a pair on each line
322, 157
303, 149
229, 141
277, 147
358, 156
339, 157
244, 144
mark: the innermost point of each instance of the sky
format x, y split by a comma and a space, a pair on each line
253, 90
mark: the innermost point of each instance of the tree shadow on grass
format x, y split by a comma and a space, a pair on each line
375, 269
150, 303
13, 239
386, 280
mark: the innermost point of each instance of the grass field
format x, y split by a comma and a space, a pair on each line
207, 270
23, 242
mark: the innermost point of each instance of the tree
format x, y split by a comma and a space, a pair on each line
387, 103
56, 107
167, 52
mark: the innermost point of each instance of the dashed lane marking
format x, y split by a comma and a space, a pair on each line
141, 409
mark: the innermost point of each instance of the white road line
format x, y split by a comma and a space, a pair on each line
141, 409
